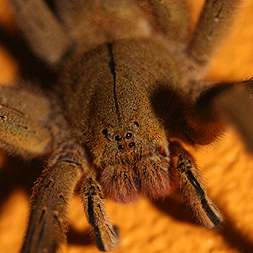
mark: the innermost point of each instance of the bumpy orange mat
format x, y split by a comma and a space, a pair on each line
157, 227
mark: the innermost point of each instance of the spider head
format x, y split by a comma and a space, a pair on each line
133, 160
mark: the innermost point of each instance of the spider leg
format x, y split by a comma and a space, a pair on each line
231, 102
51, 195
92, 197
169, 17
214, 21
214, 106
185, 173
23, 130
42, 30
91, 23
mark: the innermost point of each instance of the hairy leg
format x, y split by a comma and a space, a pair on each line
185, 175
214, 21
51, 195
22, 125
92, 197
169, 17
91, 23
232, 102
203, 118
44, 33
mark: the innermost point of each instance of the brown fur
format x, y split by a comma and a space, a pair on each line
130, 84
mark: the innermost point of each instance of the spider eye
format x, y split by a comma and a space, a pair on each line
120, 147
117, 137
129, 135
105, 131
136, 124
131, 144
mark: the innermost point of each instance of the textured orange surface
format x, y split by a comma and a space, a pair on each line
158, 227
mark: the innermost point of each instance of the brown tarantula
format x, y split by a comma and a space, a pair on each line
129, 95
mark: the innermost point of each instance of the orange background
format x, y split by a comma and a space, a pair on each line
155, 227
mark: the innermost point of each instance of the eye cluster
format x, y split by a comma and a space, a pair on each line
125, 140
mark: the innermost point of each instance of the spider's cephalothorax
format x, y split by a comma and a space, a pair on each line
115, 120
129, 95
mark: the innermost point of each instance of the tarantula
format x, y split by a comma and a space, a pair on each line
129, 94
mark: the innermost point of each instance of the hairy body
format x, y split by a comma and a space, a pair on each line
117, 123
128, 96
